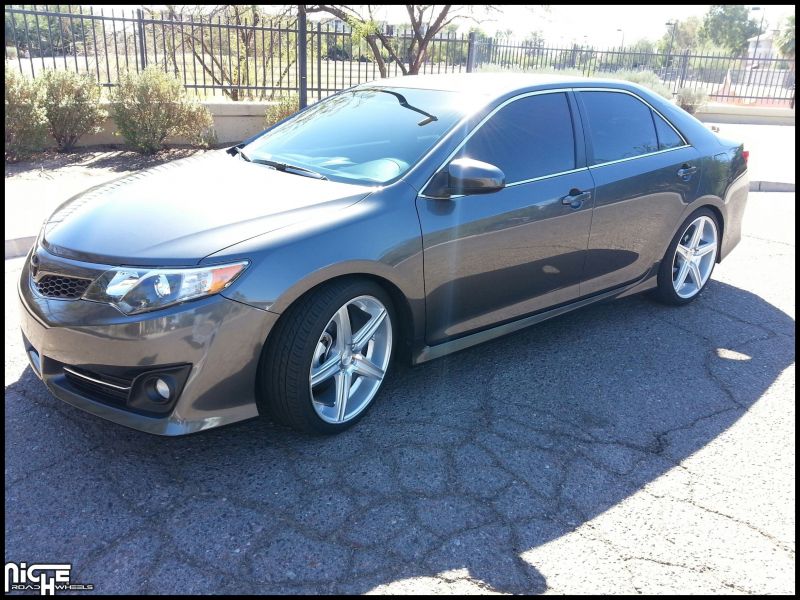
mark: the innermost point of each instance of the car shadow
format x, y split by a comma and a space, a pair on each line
463, 465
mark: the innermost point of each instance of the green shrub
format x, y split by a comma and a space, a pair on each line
72, 106
646, 79
11, 52
284, 106
692, 100
151, 106
26, 126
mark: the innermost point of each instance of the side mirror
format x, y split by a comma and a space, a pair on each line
466, 177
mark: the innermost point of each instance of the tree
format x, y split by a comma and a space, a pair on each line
40, 35
786, 47
642, 45
786, 39
228, 59
687, 36
426, 22
729, 26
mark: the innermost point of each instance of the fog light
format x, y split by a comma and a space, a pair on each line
163, 389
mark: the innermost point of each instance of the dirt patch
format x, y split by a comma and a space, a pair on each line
114, 160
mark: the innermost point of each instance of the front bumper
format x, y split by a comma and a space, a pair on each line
220, 339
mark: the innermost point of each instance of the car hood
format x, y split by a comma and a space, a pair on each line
183, 211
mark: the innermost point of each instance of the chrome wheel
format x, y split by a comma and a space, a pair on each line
350, 359
694, 257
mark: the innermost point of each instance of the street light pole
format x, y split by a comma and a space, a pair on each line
755, 50
760, 27
674, 25
622, 43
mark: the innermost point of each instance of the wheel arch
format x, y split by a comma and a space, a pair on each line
713, 204
408, 319
721, 223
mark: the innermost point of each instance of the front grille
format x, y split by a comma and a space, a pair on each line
58, 286
98, 387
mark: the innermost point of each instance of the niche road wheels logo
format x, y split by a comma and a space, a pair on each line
45, 578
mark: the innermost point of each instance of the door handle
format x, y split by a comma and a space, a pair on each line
576, 198
686, 171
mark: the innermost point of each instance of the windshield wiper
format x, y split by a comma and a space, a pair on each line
240, 152
404, 103
280, 166
287, 168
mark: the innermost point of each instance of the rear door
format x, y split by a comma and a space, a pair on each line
644, 173
496, 257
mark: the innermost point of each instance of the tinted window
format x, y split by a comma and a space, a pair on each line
620, 126
528, 138
367, 135
667, 138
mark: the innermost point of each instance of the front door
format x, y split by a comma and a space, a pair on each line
493, 258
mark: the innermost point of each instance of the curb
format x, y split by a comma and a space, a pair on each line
20, 246
771, 186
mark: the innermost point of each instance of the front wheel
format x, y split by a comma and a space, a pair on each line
687, 266
328, 357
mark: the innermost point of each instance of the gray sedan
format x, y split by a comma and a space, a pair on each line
403, 219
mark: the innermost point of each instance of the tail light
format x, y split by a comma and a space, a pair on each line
746, 155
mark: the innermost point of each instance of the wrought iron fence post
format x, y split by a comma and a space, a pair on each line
471, 52
684, 68
140, 33
319, 61
302, 67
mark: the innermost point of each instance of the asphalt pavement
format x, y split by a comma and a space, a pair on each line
627, 447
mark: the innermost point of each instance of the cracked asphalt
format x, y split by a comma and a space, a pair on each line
628, 447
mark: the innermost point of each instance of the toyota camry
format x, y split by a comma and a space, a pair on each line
403, 219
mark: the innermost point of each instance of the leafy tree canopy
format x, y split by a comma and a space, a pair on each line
729, 26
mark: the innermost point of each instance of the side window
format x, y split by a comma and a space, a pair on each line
667, 138
530, 137
620, 126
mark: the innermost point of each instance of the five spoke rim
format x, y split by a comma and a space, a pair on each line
694, 257
350, 359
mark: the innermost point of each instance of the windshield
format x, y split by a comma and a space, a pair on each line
365, 135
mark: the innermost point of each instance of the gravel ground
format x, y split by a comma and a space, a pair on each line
628, 447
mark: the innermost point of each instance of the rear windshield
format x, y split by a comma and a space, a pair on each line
367, 136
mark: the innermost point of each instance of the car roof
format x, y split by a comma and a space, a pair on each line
493, 84
494, 87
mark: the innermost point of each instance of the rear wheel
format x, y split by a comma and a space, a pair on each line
328, 357
687, 266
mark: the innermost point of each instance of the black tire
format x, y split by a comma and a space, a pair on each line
665, 291
283, 372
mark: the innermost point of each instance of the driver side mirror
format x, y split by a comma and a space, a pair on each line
466, 177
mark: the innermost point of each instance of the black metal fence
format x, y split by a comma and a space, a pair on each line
758, 79
260, 58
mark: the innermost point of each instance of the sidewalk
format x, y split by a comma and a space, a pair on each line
34, 189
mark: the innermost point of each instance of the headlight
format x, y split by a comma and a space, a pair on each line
134, 290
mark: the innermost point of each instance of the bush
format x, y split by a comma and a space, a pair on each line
26, 126
646, 79
284, 107
692, 100
11, 52
151, 106
72, 106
